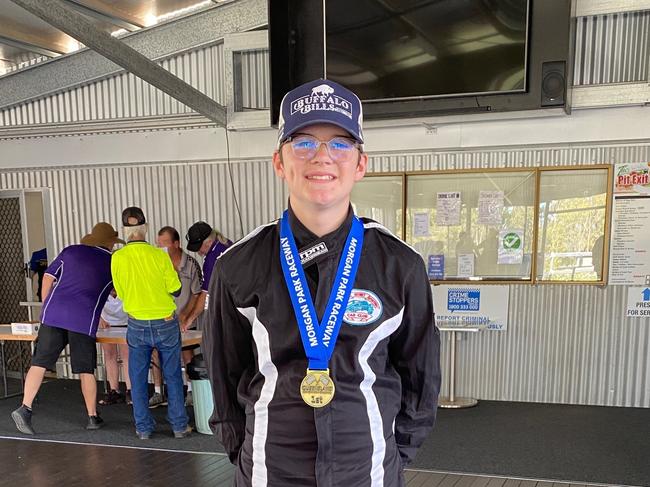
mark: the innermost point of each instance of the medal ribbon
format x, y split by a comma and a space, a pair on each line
318, 339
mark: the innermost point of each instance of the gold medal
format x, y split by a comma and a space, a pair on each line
317, 388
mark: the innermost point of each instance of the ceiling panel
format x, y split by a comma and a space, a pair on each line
24, 36
142, 12
11, 56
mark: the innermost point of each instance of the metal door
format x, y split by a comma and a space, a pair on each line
14, 286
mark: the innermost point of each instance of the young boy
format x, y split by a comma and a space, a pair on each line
320, 336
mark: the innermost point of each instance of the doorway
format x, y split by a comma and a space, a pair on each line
27, 243
12, 284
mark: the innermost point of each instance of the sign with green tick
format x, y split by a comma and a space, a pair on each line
511, 247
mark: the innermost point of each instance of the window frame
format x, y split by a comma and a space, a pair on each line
538, 175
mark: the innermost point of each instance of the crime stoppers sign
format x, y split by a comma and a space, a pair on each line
471, 305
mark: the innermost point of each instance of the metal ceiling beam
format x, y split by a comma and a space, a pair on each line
102, 16
202, 28
26, 46
65, 18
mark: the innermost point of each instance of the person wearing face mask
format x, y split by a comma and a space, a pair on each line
210, 244
189, 273
319, 332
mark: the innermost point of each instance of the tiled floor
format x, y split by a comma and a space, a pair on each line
420, 478
47, 463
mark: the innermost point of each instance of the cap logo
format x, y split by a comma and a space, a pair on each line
322, 97
322, 90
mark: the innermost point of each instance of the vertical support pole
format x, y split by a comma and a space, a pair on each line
4, 366
452, 368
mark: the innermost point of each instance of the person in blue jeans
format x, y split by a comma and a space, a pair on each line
164, 335
146, 282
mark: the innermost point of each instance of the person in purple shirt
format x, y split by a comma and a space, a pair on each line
75, 287
210, 243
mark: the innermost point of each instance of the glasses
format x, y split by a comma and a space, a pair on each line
306, 147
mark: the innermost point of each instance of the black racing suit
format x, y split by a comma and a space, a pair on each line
385, 363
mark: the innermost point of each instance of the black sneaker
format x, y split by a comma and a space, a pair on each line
183, 434
113, 397
23, 419
94, 423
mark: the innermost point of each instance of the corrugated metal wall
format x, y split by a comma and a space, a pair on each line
612, 48
256, 80
125, 95
564, 344
172, 194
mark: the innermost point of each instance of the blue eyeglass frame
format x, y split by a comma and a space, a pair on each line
354, 143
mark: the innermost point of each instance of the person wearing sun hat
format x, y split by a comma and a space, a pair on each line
75, 287
319, 333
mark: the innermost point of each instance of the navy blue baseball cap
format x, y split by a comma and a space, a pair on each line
320, 101
196, 234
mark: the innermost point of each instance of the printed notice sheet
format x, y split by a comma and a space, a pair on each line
448, 209
490, 207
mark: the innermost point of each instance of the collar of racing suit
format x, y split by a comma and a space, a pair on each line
306, 240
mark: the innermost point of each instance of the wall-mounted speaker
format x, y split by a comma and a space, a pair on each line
553, 84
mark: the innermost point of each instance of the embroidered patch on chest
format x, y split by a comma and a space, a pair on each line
311, 253
364, 307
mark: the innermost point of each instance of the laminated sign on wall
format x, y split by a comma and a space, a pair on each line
471, 305
629, 258
490, 207
448, 208
511, 247
638, 302
436, 266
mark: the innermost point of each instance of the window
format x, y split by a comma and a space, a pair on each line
533, 225
380, 198
473, 225
572, 230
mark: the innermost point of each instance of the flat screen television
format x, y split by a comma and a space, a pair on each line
404, 49
408, 58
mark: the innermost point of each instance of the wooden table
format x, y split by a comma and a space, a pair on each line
6, 335
117, 335
104, 335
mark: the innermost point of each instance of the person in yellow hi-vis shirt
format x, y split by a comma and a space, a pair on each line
146, 282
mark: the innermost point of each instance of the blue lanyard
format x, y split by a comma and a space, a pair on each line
318, 339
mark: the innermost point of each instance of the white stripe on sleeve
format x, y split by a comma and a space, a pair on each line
270, 372
374, 415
